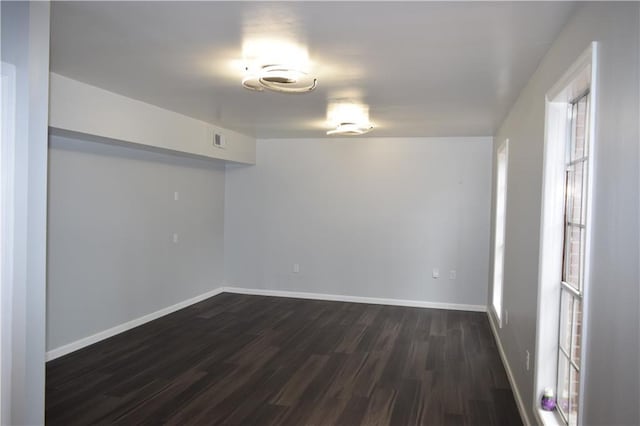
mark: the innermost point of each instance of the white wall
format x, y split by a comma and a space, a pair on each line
25, 44
88, 110
612, 378
112, 216
362, 217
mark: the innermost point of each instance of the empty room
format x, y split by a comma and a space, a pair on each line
320, 213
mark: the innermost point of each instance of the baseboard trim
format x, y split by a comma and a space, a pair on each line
95, 338
512, 381
355, 299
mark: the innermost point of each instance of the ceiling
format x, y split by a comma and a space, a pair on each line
424, 68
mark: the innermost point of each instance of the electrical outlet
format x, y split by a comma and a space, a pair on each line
435, 273
176, 196
296, 268
527, 360
175, 237
452, 274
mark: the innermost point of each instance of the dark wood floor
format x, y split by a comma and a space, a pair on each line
252, 360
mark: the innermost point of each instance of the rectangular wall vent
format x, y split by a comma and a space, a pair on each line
218, 140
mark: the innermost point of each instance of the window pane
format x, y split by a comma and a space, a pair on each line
571, 146
587, 106
575, 193
566, 311
576, 331
563, 385
573, 245
583, 244
570, 333
501, 193
580, 118
574, 392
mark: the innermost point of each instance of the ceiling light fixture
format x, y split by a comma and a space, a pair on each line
279, 78
349, 118
277, 64
350, 129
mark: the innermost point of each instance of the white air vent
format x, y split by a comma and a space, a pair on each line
218, 140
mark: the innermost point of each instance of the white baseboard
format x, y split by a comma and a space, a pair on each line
356, 299
90, 340
512, 381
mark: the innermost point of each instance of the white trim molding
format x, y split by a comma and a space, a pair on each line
355, 299
102, 335
512, 381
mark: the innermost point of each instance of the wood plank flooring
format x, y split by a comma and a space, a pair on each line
253, 360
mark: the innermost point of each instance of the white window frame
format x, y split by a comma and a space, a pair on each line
7, 168
500, 220
582, 75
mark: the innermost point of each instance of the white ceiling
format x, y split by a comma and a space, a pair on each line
424, 68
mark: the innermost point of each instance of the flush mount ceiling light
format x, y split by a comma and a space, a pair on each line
348, 118
279, 78
277, 65
350, 129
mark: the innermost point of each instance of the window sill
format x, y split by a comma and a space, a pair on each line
547, 418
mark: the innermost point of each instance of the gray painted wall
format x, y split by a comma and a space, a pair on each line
362, 217
25, 44
612, 381
112, 216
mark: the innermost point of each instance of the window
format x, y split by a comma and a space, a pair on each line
572, 284
500, 222
563, 286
